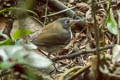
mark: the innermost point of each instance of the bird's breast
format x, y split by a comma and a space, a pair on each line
66, 37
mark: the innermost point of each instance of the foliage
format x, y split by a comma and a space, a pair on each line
22, 55
20, 33
112, 24
7, 40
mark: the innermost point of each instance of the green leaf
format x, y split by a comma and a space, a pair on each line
21, 55
7, 40
112, 25
1, 31
21, 32
6, 65
33, 75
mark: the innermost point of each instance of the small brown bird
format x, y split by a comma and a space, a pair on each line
55, 35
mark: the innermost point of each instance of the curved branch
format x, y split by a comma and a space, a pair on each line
81, 52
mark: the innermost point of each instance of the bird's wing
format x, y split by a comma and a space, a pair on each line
49, 39
54, 27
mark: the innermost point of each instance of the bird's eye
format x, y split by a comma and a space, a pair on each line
67, 21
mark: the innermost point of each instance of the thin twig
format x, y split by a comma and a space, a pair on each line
78, 53
15, 8
38, 21
46, 10
100, 2
60, 11
80, 71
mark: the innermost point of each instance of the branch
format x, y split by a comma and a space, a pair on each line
78, 53
59, 6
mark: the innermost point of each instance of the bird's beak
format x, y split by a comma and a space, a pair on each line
74, 21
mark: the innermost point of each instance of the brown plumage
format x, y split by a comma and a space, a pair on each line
55, 35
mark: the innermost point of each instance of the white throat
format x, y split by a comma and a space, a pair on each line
71, 33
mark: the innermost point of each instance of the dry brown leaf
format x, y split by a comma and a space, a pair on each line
2, 23
71, 1
88, 14
118, 1
83, 7
69, 5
